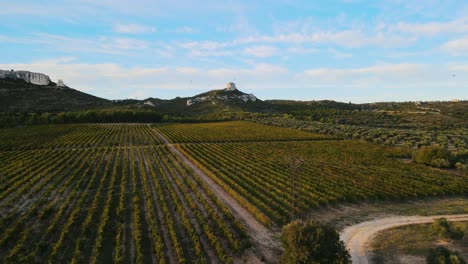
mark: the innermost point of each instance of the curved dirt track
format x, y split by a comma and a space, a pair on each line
263, 239
357, 237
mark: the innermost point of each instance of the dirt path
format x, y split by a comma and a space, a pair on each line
263, 239
357, 237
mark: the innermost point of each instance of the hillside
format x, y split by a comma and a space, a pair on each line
17, 95
211, 102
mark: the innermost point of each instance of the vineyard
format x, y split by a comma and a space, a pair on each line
99, 193
238, 131
77, 136
107, 193
257, 173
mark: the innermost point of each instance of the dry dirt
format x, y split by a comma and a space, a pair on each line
357, 237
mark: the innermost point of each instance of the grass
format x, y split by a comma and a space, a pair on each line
389, 246
346, 214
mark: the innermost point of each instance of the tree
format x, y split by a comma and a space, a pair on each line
311, 242
441, 255
436, 156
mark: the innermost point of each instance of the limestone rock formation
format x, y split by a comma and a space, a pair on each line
60, 83
30, 77
149, 103
230, 86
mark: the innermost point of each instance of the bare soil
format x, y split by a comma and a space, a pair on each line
357, 237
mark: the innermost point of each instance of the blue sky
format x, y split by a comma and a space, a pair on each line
344, 50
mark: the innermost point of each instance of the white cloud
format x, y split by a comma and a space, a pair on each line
432, 28
416, 76
261, 51
113, 81
133, 29
457, 46
381, 82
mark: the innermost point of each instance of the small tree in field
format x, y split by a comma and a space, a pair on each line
435, 156
311, 242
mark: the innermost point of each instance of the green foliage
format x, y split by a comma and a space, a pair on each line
461, 166
441, 255
436, 156
395, 136
312, 242
96, 192
89, 116
257, 173
445, 229
236, 131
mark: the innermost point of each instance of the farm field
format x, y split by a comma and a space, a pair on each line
257, 174
77, 136
237, 131
104, 193
107, 193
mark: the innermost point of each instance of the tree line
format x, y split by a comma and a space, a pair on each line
8, 119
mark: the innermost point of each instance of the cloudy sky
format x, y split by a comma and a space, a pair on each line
345, 50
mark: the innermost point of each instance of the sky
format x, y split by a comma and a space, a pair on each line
343, 50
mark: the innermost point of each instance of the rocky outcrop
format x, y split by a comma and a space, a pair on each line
229, 93
30, 77
201, 99
149, 103
230, 86
60, 83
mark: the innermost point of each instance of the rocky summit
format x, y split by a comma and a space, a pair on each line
230, 92
27, 76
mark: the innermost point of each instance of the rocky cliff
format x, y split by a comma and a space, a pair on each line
30, 77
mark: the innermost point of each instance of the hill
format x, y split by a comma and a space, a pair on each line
212, 102
17, 95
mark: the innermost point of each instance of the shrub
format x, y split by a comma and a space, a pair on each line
445, 229
441, 255
436, 156
312, 242
461, 166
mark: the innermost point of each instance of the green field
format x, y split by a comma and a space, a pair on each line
348, 171
115, 192
77, 136
126, 201
237, 131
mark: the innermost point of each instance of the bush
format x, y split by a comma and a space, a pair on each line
436, 156
445, 229
441, 255
461, 166
312, 242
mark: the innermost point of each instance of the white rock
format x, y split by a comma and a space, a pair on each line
148, 103
230, 86
60, 83
30, 77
